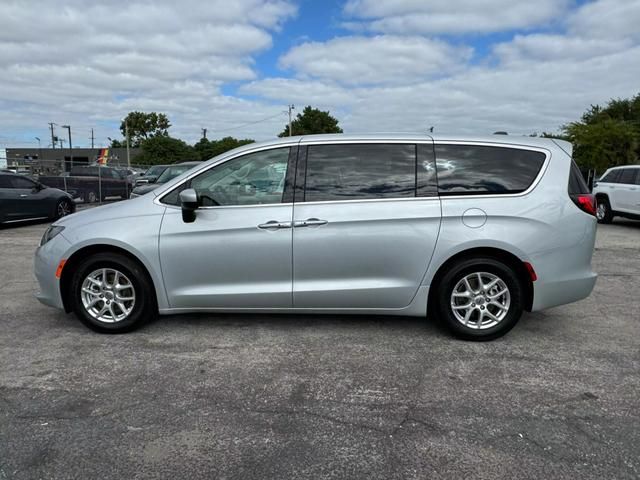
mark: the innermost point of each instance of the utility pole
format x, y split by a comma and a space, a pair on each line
68, 127
291, 107
126, 130
53, 141
204, 133
92, 138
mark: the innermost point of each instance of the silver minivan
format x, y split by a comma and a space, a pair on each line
472, 231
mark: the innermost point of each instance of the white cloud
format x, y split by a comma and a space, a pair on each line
534, 82
81, 61
376, 60
546, 47
452, 16
88, 63
607, 19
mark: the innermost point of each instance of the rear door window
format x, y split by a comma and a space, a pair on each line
628, 176
360, 172
485, 170
5, 182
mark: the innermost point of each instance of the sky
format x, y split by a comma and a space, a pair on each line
233, 66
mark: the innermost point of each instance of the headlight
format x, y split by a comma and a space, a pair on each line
51, 232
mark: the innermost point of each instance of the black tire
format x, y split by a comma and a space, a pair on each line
63, 208
604, 214
90, 196
457, 273
144, 308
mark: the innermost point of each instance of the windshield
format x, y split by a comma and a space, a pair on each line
173, 172
154, 171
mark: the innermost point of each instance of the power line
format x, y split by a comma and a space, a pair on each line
249, 123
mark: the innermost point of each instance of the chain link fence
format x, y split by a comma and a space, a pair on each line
87, 183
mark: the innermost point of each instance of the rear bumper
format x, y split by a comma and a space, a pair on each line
552, 294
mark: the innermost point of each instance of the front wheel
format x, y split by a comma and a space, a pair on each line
112, 293
63, 208
480, 299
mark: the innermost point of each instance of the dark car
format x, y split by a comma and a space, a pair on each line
151, 175
23, 199
171, 172
91, 183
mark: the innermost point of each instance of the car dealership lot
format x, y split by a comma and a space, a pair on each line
257, 396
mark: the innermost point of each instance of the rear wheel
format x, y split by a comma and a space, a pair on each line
604, 214
112, 294
480, 299
90, 197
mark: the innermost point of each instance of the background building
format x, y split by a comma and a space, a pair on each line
53, 161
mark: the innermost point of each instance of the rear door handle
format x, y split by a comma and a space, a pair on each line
22, 195
309, 222
274, 225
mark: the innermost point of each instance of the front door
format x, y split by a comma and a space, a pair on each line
23, 199
364, 231
237, 252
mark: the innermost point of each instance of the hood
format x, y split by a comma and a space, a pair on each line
140, 206
145, 188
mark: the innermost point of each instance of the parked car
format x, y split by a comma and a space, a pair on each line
151, 175
23, 199
618, 193
91, 183
338, 224
169, 173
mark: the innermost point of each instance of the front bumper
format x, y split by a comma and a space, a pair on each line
46, 262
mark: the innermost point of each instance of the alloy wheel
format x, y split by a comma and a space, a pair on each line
108, 295
480, 300
64, 209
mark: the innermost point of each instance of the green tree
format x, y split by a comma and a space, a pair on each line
207, 149
143, 126
603, 144
310, 121
164, 149
607, 136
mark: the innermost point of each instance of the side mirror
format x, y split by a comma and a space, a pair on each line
39, 187
189, 202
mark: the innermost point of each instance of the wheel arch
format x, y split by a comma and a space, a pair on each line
499, 254
74, 260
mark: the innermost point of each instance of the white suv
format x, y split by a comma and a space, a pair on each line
618, 193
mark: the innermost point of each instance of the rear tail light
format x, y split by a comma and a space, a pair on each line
531, 271
585, 202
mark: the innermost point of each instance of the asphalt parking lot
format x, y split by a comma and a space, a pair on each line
248, 396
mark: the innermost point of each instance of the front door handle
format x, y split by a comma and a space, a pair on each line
309, 222
274, 225
23, 195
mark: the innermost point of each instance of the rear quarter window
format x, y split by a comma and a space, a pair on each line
577, 184
479, 169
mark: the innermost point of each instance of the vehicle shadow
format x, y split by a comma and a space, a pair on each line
21, 224
299, 321
624, 222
